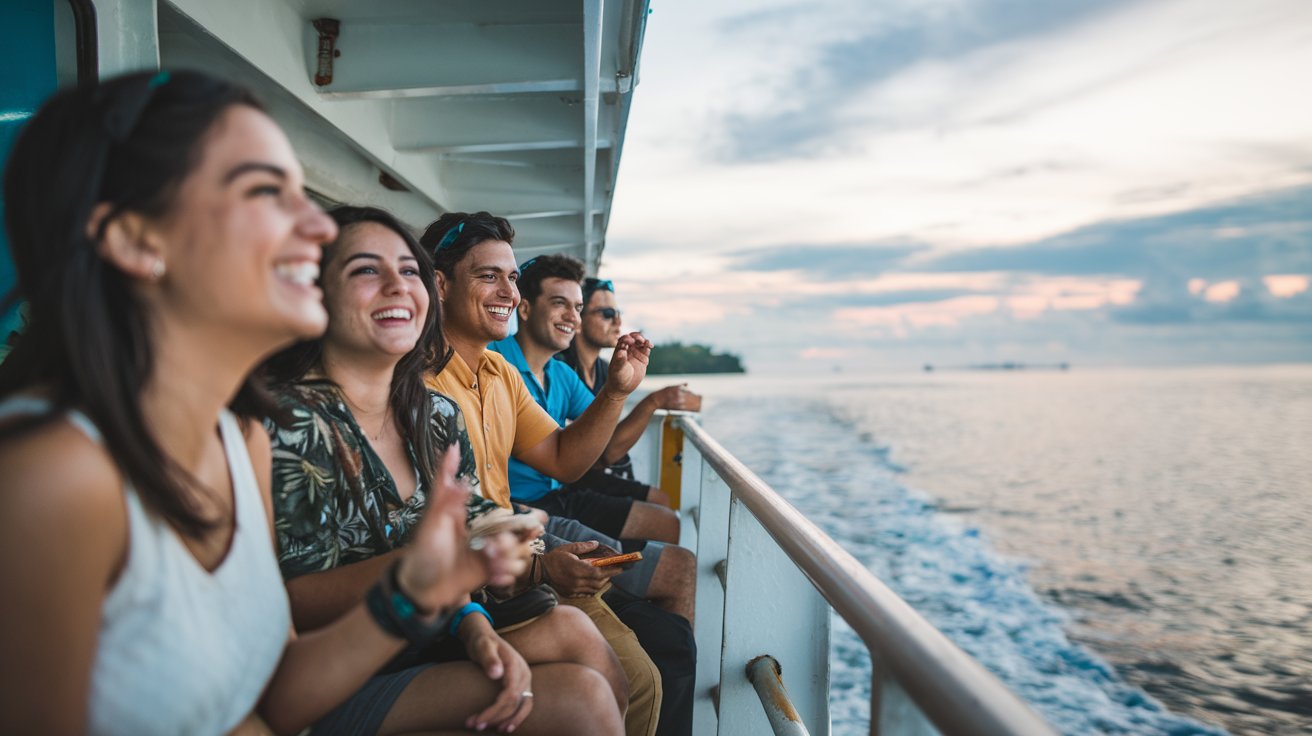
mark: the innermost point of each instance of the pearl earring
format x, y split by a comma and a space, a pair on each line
157, 269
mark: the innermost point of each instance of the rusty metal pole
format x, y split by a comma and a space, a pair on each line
766, 676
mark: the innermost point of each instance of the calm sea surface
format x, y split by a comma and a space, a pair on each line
1130, 549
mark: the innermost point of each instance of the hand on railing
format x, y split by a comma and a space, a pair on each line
677, 398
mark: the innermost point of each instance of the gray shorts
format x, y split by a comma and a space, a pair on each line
363, 713
635, 580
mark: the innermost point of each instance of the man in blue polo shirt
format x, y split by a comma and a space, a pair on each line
549, 315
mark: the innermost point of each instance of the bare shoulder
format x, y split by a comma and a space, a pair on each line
63, 541
56, 485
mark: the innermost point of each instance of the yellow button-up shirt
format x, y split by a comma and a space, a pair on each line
500, 414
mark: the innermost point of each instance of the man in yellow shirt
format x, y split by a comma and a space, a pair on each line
476, 274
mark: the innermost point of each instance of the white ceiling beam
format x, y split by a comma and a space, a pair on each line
513, 217
527, 86
425, 59
492, 125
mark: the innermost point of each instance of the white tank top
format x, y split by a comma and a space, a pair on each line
182, 650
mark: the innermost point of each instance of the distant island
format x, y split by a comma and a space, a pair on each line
675, 357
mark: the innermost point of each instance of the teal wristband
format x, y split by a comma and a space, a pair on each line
465, 610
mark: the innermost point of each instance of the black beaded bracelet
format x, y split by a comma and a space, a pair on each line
398, 615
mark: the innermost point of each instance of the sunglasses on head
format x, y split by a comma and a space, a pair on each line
607, 313
119, 117
449, 238
122, 115
591, 284
526, 265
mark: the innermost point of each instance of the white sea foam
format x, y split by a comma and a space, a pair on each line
945, 568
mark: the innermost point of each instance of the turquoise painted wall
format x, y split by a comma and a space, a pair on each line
27, 77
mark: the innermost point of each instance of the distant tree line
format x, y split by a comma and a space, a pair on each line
675, 357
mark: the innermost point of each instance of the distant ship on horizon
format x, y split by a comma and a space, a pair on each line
1007, 366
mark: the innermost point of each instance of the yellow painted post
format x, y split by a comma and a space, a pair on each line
672, 461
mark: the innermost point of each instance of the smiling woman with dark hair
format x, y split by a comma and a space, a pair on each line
164, 245
353, 463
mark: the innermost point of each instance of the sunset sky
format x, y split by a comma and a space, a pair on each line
850, 183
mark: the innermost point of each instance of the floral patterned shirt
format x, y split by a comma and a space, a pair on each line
334, 501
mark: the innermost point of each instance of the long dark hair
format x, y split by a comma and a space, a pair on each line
128, 142
411, 406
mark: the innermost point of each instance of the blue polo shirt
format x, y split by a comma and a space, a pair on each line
565, 397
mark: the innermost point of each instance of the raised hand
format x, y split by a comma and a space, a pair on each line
677, 397
438, 567
628, 364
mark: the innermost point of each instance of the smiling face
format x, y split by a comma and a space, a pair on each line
598, 331
375, 297
241, 243
480, 294
553, 317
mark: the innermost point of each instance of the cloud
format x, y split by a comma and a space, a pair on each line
806, 114
1024, 179
827, 260
1285, 285
1246, 300
1251, 237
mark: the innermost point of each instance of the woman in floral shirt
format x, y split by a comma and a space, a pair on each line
354, 454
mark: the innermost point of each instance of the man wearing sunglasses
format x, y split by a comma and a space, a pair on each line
600, 329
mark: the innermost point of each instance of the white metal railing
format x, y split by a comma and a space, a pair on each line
767, 577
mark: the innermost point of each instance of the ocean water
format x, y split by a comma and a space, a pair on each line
1130, 550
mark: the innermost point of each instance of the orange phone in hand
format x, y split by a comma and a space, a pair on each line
615, 559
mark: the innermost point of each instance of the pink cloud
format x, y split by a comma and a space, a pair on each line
815, 353
1221, 291
1283, 286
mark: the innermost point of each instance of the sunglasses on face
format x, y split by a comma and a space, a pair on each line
607, 313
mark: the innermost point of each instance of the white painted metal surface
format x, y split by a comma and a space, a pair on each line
921, 684
516, 106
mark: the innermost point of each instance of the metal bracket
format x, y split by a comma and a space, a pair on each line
328, 29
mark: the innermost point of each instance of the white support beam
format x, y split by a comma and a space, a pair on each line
593, 19
127, 36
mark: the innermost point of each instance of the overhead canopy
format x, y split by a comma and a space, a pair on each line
517, 107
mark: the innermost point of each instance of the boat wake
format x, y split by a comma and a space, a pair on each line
946, 569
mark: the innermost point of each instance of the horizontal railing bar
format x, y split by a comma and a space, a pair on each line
954, 691
765, 674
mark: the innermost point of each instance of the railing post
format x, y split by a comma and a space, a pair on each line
770, 608
671, 478
701, 486
924, 683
